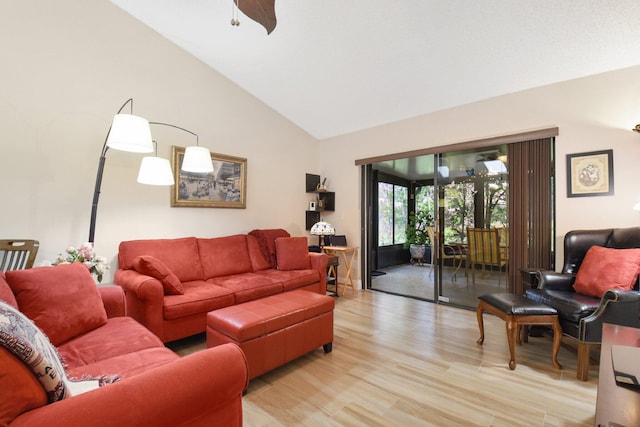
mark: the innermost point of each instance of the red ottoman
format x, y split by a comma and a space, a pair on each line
274, 330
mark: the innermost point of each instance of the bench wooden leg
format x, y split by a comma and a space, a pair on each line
512, 330
480, 322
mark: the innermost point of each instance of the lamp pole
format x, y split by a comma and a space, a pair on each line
96, 191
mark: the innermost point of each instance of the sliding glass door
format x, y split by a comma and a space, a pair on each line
487, 210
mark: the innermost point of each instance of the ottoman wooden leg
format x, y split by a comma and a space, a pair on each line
328, 347
512, 329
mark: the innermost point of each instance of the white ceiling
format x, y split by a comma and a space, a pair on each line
335, 66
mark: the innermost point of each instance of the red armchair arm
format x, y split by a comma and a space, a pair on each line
113, 300
202, 389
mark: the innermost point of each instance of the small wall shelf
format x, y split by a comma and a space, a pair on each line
325, 200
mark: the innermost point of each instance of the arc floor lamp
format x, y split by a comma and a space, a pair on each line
133, 134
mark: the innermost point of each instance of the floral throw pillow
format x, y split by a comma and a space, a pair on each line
21, 337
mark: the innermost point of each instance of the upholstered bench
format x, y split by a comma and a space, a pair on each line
274, 330
517, 311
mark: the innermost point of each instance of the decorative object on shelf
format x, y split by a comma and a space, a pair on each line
322, 187
96, 264
590, 174
261, 11
225, 187
321, 229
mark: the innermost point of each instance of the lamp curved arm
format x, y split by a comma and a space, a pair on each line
96, 191
177, 127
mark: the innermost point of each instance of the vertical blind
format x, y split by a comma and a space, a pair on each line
531, 208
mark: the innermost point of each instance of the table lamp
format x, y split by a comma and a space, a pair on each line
322, 229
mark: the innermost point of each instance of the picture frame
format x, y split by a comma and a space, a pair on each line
225, 187
590, 174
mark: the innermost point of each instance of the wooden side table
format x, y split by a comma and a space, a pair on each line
616, 405
347, 253
332, 273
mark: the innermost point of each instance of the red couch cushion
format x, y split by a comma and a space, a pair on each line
25, 393
63, 301
108, 341
292, 253
181, 256
607, 268
266, 240
199, 297
248, 286
258, 260
293, 279
152, 266
223, 256
6, 294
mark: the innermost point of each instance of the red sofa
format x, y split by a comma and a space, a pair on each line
94, 339
171, 284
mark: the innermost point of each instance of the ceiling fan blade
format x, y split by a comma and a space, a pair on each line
261, 11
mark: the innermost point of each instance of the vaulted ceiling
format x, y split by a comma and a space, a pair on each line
334, 67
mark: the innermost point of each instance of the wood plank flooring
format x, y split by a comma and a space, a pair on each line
398, 361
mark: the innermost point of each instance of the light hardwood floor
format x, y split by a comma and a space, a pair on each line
398, 361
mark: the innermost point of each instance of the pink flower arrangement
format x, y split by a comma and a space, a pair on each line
96, 264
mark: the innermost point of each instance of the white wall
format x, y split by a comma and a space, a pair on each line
593, 113
67, 66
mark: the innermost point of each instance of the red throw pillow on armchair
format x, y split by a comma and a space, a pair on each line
292, 253
607, 268
152, 266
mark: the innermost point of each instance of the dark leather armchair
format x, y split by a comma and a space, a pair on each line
582, 316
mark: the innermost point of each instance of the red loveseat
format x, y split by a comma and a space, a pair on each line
153, 386
171, 284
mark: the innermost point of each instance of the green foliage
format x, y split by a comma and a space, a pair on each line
417, 229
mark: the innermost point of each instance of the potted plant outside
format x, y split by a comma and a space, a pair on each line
417, 234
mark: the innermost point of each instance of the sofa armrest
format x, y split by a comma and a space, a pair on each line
113, 300
553, 281
618, 307
204, 388
145, 298
319, 263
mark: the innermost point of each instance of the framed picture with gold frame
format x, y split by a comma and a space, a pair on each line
590, 174
225, 187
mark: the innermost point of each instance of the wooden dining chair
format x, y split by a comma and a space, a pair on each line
453, 253
484, 250
17, 254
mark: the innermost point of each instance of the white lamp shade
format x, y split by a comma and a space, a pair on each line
155, 171
197, 159
130, 133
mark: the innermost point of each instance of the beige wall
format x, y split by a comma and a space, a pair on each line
68, 65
